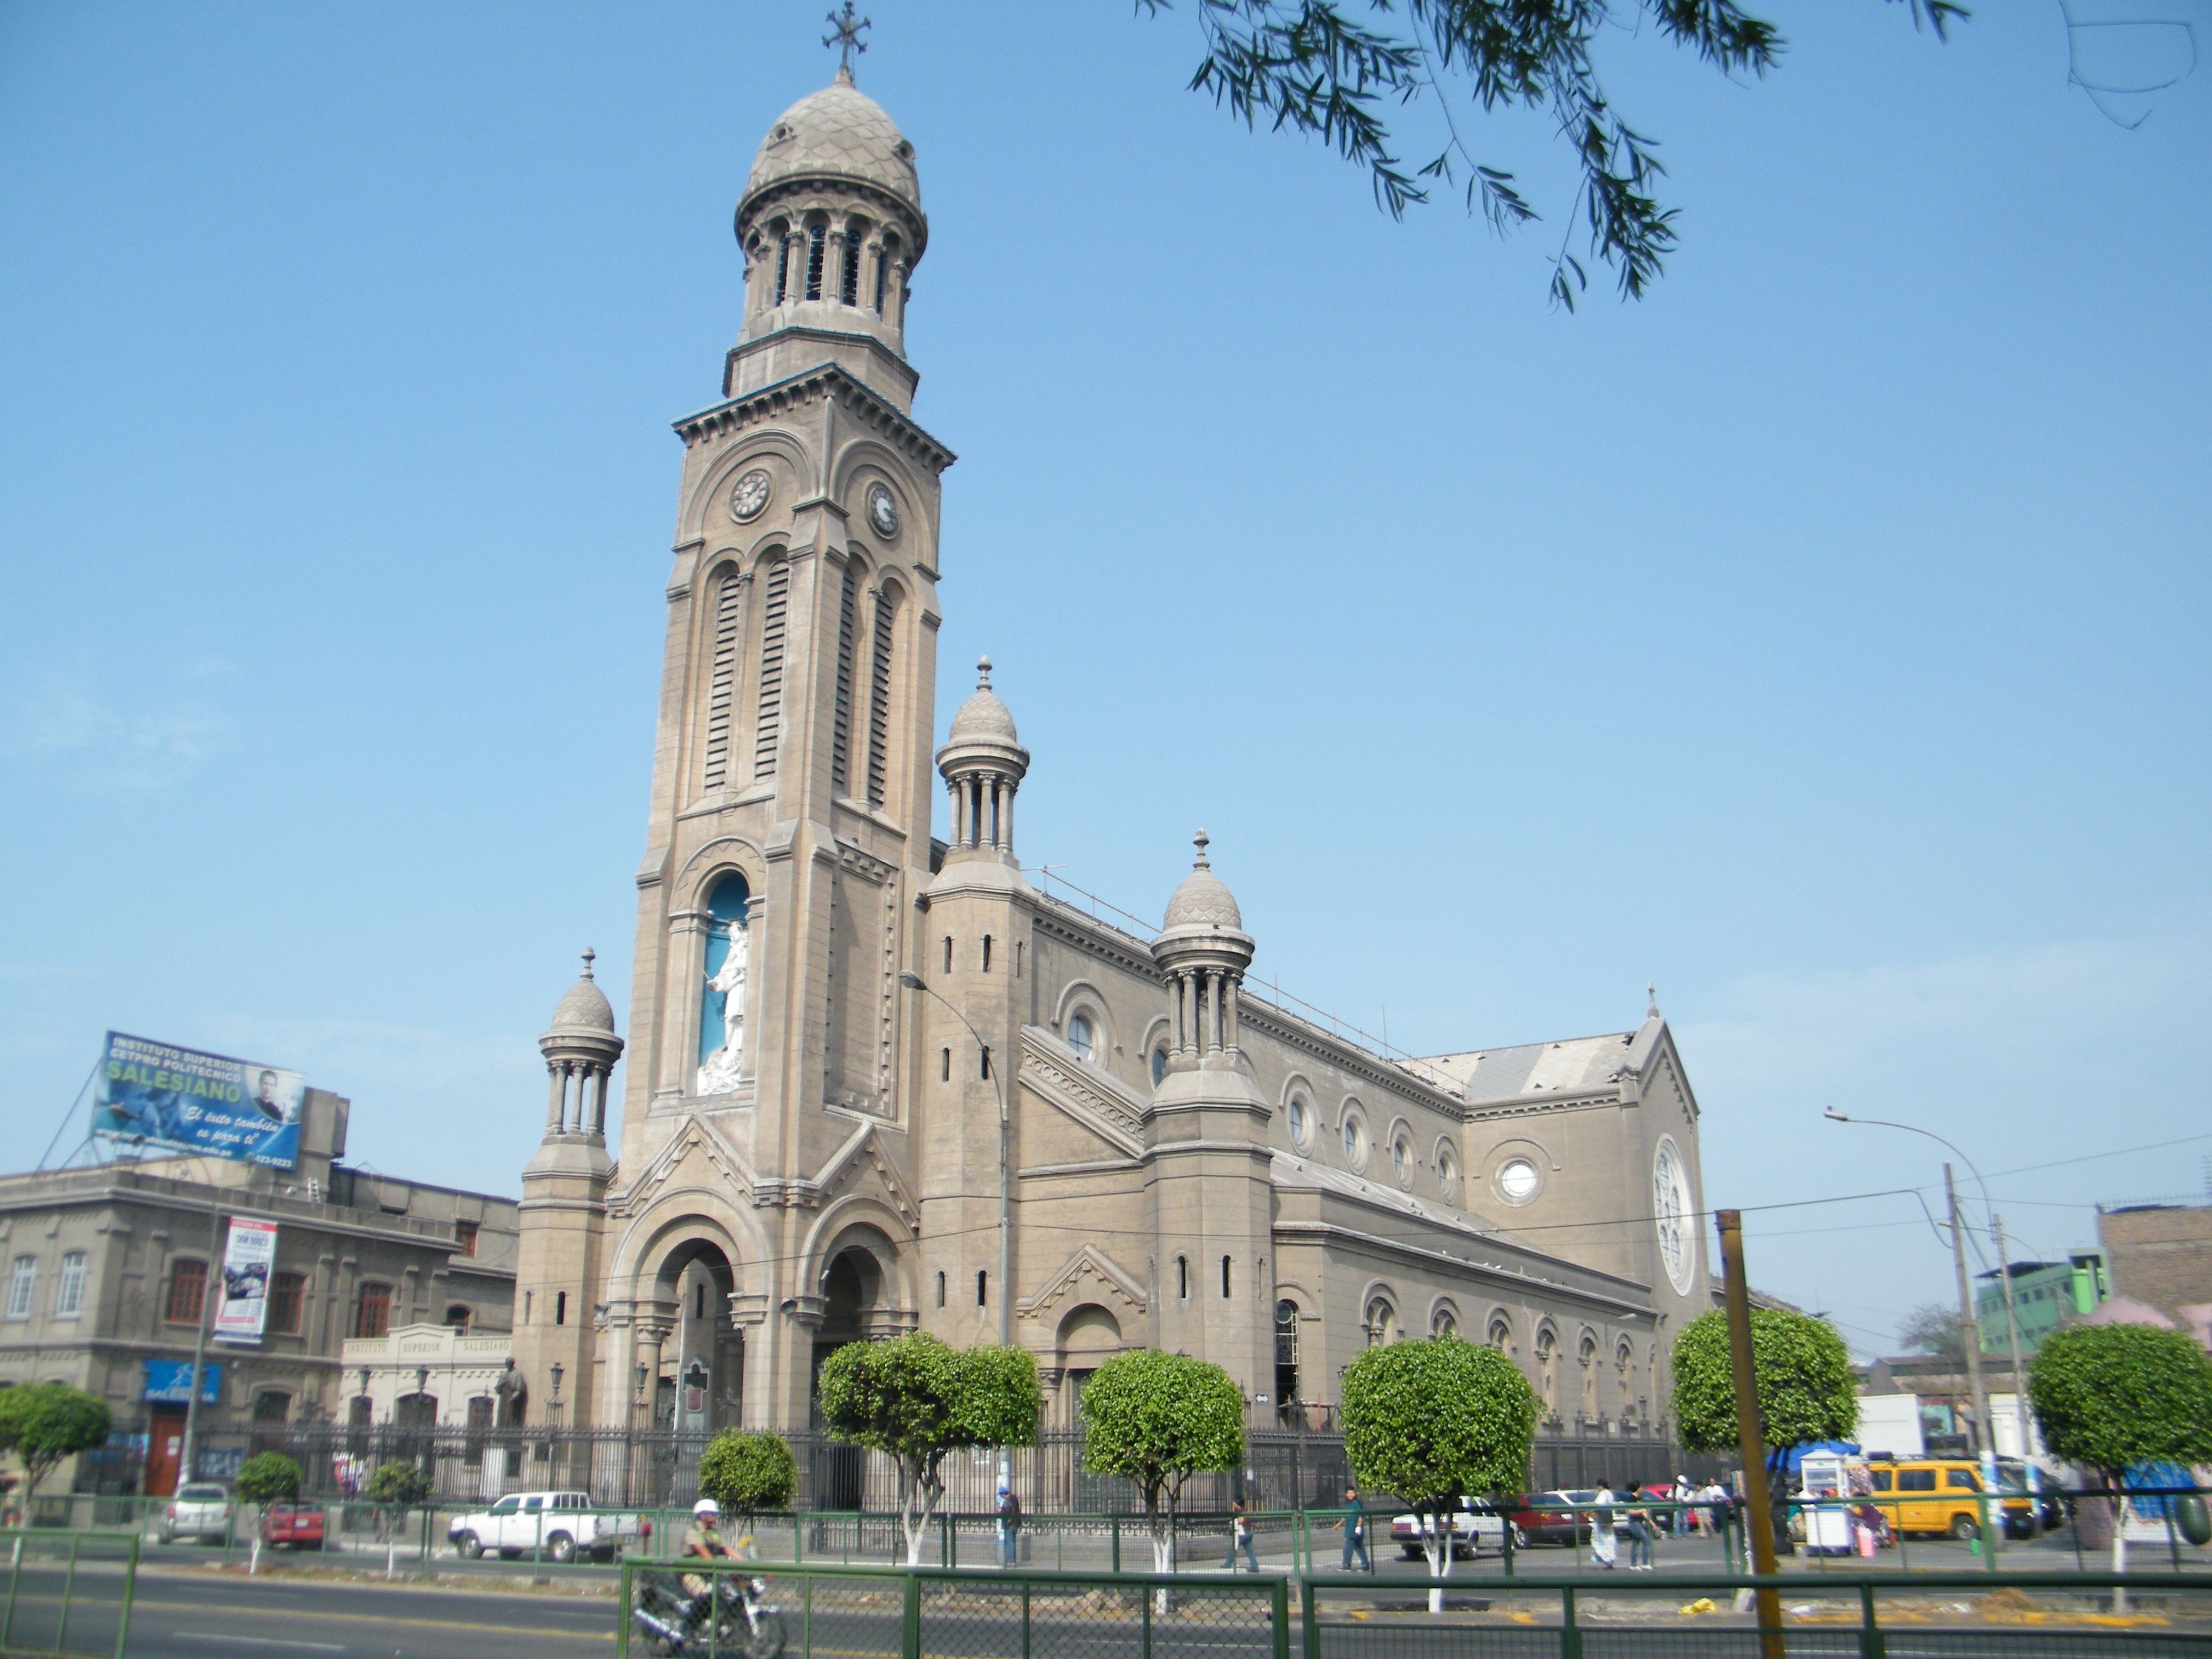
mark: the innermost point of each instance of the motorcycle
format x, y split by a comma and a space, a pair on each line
734, 1618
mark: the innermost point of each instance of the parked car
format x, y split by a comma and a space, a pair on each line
1554, 1522
1939, 1495
1475, 1526
561, 1525
299, 1525
2040, 1484
200, 1510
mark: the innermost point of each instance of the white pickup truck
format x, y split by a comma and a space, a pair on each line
559, 1526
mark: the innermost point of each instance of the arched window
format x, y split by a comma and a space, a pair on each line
727, 905
1296, 1120
1586, 1358
1444, 1324
1448, 1173
1501, 1334
1079, 1037
1401, 1160
783, 234
880, 696
1382, 1322
841, 714
1287, 1352
1623, 1360
723, 680
767, 723
1547, 1371
1159, 1066
849, 285
818, 247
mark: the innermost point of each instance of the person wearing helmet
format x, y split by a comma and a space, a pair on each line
702, 1540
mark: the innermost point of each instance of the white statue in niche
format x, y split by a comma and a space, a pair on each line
717, 1073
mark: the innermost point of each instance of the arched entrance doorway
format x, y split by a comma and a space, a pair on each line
859, 1293
700, 1383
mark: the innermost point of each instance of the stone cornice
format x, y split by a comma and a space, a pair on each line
1487, 1273
1109, 944
823, 381
1259, 1014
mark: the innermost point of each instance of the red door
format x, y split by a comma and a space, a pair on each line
165, 1448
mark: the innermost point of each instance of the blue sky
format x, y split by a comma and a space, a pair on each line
1822, 638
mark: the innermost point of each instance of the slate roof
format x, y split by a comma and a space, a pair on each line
1570, 1067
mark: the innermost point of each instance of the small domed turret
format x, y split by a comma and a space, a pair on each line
580, 1050
1203, 899
585, 1007
1202, 952
984, 763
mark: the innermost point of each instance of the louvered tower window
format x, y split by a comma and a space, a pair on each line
879, 697
774, 605
783, 246
722, 681
841, 730
818, 248
850, 277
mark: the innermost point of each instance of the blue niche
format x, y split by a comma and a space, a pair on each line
727, 903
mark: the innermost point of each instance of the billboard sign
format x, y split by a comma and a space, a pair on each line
169, 1382
188, 1101
244, 1308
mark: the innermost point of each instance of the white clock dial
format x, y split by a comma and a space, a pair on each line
749, 496
883, 510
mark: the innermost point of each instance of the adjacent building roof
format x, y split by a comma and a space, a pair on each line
1572, 1066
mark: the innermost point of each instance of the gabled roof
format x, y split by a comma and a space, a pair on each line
1572, 1065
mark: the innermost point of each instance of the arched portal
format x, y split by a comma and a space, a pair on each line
700, 1380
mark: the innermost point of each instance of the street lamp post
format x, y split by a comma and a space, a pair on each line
1984, 1427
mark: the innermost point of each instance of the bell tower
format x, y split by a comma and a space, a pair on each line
766, 1107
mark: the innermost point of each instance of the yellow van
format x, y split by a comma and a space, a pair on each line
1941, 1495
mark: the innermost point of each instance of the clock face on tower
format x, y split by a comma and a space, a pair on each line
882, 512
749, 496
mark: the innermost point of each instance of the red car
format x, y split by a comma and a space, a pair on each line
299, 1525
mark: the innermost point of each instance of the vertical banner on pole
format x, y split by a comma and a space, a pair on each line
243, 1311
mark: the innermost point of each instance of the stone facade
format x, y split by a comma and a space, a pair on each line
843, 1036
2162, 1256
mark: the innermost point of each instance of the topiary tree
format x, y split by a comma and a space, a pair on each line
1155, 1419
746, 1472
1802, 1373
2109, 1397
1434, 1422
265, 1479
917, 1400
397, 1487
43, 1423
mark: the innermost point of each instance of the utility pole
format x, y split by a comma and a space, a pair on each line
208, 1288
1970, 1327
2012, 1331
1758, 1519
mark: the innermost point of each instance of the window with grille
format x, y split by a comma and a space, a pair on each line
817, 243
840, 716
849, 286
782, 268
285, 1293
22, 1284
722, 681
879, 697
776, 604
187, 1291
272, 1407
69, 1290
372, 1313
465, 1238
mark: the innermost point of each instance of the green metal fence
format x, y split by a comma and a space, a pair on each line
1838, 1616
926, 1612
68, 1592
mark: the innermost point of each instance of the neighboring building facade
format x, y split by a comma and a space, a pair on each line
2160, 1255
810, 1149
2045, 1295
108, 1271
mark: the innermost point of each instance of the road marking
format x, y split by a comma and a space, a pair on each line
371, 1618
258, 1641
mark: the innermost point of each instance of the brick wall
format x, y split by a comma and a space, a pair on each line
2162, 1256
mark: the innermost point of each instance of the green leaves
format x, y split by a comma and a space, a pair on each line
915, 1398
1313, 69
1155, 1418
1433, 1421
398, 1486
43, 1423
269, 1478
1800, 1366
745, 1472
2108, 1397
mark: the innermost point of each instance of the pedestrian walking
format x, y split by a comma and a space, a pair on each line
1010, 1524
1605, 1545
1642, 1532
1240, 1537
1683, 1516
1355, 1532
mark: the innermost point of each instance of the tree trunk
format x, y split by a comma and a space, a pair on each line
2119, 1547
1163, 1561
1438, 1549
914, 1516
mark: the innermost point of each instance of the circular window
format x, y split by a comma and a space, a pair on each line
1401, 1161
1448, 1172
1518, 1180
1078, 1035
1294, 1115
1355, 1141
1159, 1066
1670, 1215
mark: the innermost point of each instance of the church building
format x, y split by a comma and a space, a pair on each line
877, 1082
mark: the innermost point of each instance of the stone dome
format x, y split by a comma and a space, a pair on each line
983, 715
1204, 899
838, 132
586, 1007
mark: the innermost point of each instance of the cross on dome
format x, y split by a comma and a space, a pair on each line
846, 39
590, 956
1200, 840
